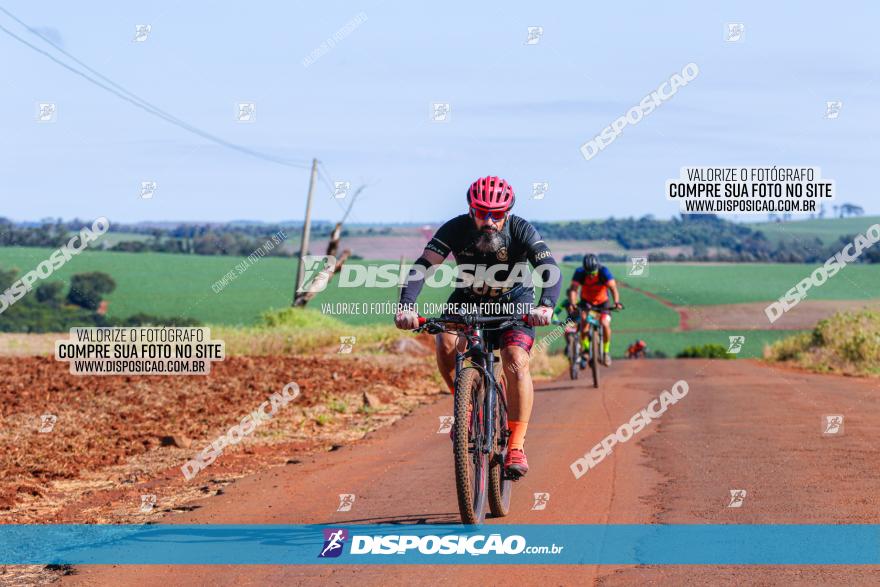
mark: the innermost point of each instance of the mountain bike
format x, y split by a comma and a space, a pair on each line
480, 433
596, 336
572, 343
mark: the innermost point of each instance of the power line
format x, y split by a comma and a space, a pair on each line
325, 176
132, 98
137, 101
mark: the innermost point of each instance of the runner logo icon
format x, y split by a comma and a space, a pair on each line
833, 425
638, 266
333, 541
317, 271
540, 189
736, 344
445, 424
47, 422
346, 500
340, 189
346, 344
148, 502
832, 109
541, 500
737, 497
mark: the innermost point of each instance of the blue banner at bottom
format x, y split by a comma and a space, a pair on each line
729, 544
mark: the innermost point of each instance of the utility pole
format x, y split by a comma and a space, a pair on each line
307, 226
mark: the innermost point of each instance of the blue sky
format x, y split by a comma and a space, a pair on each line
519, 111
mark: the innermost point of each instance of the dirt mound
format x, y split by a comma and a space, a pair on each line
847, 343
107, 431
419, 345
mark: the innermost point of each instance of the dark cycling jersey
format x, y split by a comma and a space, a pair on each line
502, 269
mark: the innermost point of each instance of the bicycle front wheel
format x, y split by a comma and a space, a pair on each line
595, 354
471, 463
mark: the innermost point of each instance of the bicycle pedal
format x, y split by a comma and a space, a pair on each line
511, 475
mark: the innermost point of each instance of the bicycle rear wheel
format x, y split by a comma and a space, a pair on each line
471, 463
573, 359
500, 488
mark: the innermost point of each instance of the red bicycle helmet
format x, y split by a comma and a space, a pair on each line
491, 193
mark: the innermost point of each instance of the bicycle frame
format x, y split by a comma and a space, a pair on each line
594, 324
481, 354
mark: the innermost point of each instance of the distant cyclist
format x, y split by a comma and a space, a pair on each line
489, 236
565, 310
594, 281
637, 350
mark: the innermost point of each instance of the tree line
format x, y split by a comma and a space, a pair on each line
49, 309
708, 238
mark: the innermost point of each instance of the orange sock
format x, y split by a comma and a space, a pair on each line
517, 433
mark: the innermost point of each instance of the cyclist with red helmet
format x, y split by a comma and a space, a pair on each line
489, 236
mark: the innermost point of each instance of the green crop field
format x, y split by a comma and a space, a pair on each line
640, 311
181, 285
700, 285
175, 285
827, 229
672, 343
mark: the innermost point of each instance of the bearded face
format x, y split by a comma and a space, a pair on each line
489, 240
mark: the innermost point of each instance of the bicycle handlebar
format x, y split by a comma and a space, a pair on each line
600, 308
474, 320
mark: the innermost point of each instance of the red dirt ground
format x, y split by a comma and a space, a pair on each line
108, 439
743, 425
